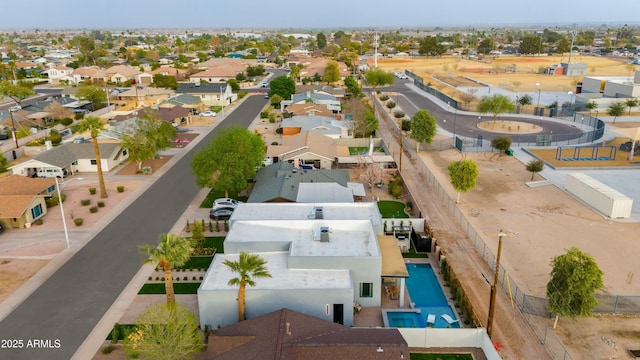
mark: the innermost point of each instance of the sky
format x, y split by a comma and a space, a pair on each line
309, 14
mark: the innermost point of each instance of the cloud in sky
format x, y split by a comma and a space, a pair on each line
218, 14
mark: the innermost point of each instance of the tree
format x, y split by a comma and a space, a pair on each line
378, 77
235, 87
575, 278
248, 267
294, 72
165, 81
173, 251
331, 72
535, 166
525, 100
164, 332
631, 102
463, 175
496, 105
94, 94
360, 117
283, 86
423, 128
430, 46
197, 238
530, 45
94, 126
467, 97
353, 87
147, 136
17, 92
502, 143
322, 41
615, 110
229, 160
591, 106
58, 111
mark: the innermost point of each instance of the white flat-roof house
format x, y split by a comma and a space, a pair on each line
322, 258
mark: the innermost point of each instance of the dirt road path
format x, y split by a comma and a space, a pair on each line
510, 328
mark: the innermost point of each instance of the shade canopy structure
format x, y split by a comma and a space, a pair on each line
633, 134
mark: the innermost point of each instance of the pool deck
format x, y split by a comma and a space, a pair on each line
372, 316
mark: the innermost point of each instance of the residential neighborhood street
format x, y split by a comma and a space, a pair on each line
61, 312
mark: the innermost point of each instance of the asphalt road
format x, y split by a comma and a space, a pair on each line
466, 125
63, 311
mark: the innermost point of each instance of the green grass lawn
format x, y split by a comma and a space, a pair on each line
360, 150
178, 287
212, 195
197, 262
215, 241
414, 356
412, 254
392, 209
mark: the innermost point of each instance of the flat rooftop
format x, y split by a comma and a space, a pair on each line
301, 211
282, 277
355, 238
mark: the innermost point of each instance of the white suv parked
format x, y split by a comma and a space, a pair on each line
225, 203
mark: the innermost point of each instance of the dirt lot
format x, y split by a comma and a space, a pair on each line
548, 221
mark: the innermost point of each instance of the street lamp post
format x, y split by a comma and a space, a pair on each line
13, 124
64, 221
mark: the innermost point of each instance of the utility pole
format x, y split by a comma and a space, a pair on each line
13, 124
494, 286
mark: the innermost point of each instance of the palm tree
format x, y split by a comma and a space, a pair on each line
94, 126
248, 266
173, 251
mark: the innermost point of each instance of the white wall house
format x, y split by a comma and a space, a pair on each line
321, 261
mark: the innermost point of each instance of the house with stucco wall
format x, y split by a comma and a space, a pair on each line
322, 258
22, 200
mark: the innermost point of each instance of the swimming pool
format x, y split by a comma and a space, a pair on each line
426, 295
403, 318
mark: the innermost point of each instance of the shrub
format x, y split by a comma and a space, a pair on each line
147, 170
275, 143
217, 226
85, 202
53, 201
264, 114
272, 118
93, 209
120, 188
78, 221
398, 114
38, 222
115, 333
210, 226
66, 121
177, 278
384, 97
395, 187
92, 190
157, 278
79, 116
279, 131
108, 349
194, 278
100, 204
150, 278
226, 226
390, 105
201, 278
185, 278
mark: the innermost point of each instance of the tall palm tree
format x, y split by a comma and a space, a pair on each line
173, 251
248, 267
94, 126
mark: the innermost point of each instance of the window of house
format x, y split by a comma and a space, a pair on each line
366, 290
94, 162
52, 188
36, 211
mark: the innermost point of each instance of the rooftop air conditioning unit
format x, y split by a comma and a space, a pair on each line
324, 234
319, 213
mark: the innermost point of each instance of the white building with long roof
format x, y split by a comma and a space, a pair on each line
322, 258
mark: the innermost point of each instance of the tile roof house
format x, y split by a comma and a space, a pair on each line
56, 73
22, 199
145, 95
194, 103
309, 109
280, 182
179, 74
209, 93
309, 148
287, 334
73, 158
327, 126
122, 73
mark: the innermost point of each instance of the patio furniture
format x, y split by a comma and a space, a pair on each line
449, 319
431, 319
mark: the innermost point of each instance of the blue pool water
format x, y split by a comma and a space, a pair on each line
427, 295
405, 320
